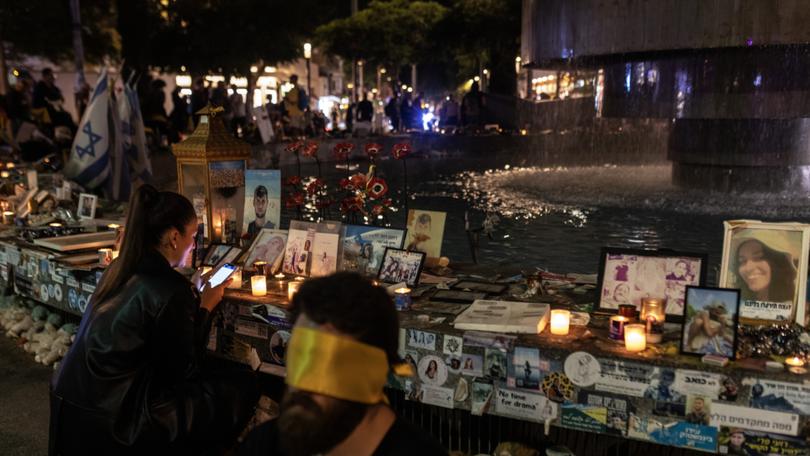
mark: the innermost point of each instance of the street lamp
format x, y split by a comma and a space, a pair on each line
308, 57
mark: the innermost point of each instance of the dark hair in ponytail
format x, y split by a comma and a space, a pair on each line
150, 214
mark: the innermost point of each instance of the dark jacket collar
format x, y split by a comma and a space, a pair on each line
154, 263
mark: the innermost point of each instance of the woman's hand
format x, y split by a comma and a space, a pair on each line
211, 296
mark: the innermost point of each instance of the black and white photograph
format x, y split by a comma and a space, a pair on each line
87, 206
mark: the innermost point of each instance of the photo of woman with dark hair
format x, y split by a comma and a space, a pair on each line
763, 273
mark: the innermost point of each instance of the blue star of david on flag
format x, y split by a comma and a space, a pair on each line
93, 138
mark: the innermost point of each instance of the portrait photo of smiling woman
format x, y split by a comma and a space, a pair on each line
767, 262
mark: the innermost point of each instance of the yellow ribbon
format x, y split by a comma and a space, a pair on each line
335, 366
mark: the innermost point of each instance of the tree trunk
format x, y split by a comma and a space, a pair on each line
3, 69
78, 53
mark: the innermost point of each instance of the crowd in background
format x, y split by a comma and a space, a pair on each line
34, 120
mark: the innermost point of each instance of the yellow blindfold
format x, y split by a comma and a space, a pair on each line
339, 367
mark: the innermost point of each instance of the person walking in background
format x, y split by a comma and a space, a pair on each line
448, 115
238, 111
199, 98
472, 108
392, 111
179, 115
405, 112
365, 114
294, 103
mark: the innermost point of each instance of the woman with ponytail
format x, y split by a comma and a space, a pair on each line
134, 382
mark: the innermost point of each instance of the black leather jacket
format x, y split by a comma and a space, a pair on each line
134, 383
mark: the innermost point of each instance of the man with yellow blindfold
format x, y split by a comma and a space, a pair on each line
342, 348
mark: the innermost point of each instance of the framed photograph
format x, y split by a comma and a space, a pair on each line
262, 201
401, 266
425, 232
268, 246
457, 296
299, 248
626, 276
363, 247
229, 257
87, 206
484, 287
710, 321
767, 262
216, 252
325, 249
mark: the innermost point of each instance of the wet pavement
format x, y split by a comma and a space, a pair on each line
24, 404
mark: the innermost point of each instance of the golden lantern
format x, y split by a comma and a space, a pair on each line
211, 173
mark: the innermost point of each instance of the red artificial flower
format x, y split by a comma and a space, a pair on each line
376, 188
350, 204
358, 180
344, 183
342, 151
377, 209
372, 150
298, 198
323, 203
388, 202
310, 149
315, 186
293, 181
401, 150
294, 146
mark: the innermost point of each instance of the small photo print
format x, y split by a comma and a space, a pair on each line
495, 364
472, 365
216, 253
401, 266
710, 316
526, 367
87, 206
698, 410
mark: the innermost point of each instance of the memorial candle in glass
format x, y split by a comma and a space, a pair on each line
635, 337
258, 285
560, 320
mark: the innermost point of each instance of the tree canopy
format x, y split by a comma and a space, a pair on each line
230, 35
44, 28
390, 33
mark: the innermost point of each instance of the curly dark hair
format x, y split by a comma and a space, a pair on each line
354, 306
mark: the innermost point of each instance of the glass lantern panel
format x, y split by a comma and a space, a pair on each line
227, 199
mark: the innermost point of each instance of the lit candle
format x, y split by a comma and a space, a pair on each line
292, 288
794, 361
402, 298
258, 285
616, 328
261, 267
5, 174
635, 337
237, 279
8, 217
10, 165
560, 320
280, 282
652, 314
105, 257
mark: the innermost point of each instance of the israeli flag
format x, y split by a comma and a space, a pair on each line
90, 154
133, 136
